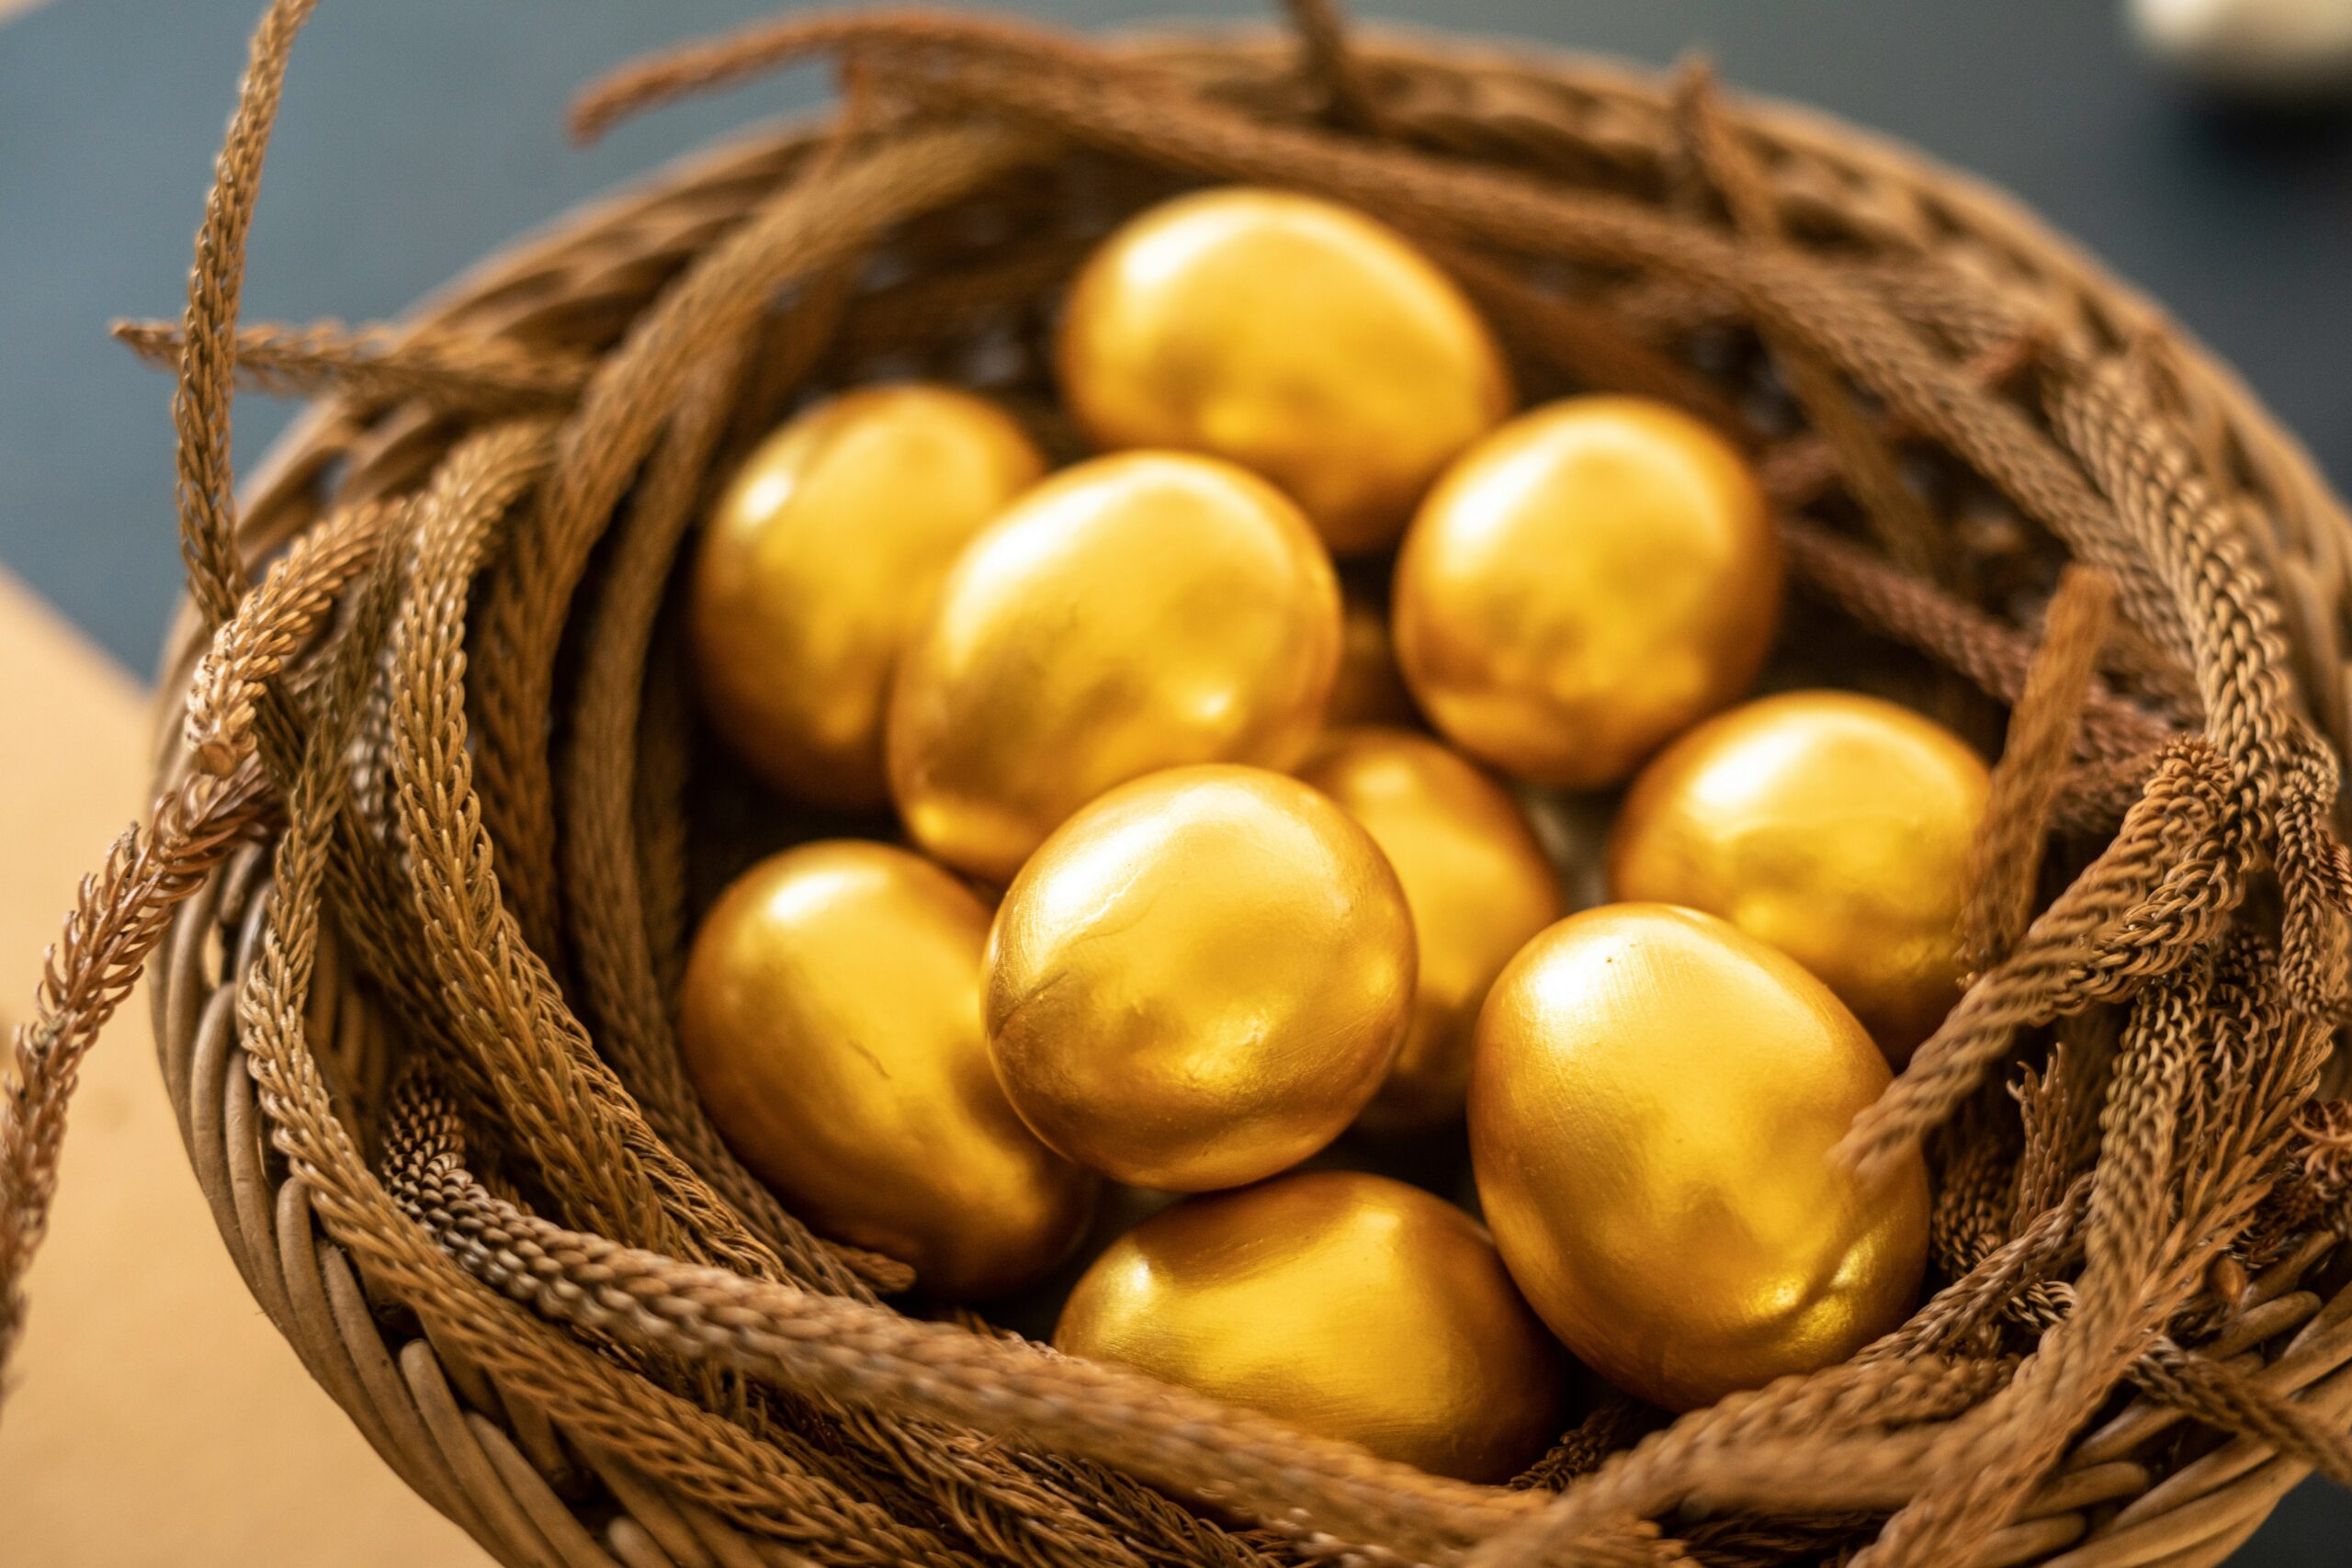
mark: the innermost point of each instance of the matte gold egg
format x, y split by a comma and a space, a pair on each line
819, 561
1370, 689
1832, 826
830, 1023
1350, 1305
1653, 1100
1476, 879
1131, 613
1200, 979
1582, 585
1300, 339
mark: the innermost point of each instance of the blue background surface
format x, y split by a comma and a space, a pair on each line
418, 134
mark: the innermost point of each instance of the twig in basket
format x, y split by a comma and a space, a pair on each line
382, 364
1988, 651
914, 311
2151, 897
1169, 1435
2226, 1400
2315, 872
2052, 1239
1864, 453
273, 624
2173, 1189
475, 946
123, 912
731, 58
1327, 60
1584, 340
1610, 1424
207, 503
2130, 1283
1872, 1420
2057, 1110
1798, 470
2006, 858
126, 909
795, 339
621, 992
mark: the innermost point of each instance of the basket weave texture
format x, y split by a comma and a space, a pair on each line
433, 806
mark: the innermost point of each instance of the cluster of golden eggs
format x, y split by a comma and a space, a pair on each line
1206, 860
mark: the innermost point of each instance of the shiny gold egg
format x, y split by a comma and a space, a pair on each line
1832, 826
1371, 688
1300, 339
819, 561
830, 1023
1653, 1099
1200, 979
1350, 1305
1131, 613
1584, 584
1478, 882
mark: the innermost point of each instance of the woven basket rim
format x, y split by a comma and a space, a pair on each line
489, 1466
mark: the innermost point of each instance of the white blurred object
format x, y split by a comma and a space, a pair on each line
2262, 48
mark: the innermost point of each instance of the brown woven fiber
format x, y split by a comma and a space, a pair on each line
433, 810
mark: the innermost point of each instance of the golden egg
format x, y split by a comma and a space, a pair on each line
1584, 584
1300, 339
1834, 827
1350, 1305
1476, 879
1371, 688
1200, 979
1653, 1100
819, 562
1131, 613
831, 1022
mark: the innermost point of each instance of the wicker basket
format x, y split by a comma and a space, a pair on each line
376, 1035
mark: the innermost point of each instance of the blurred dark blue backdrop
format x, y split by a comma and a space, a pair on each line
418, 133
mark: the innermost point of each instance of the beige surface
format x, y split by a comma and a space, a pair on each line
157, 1416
